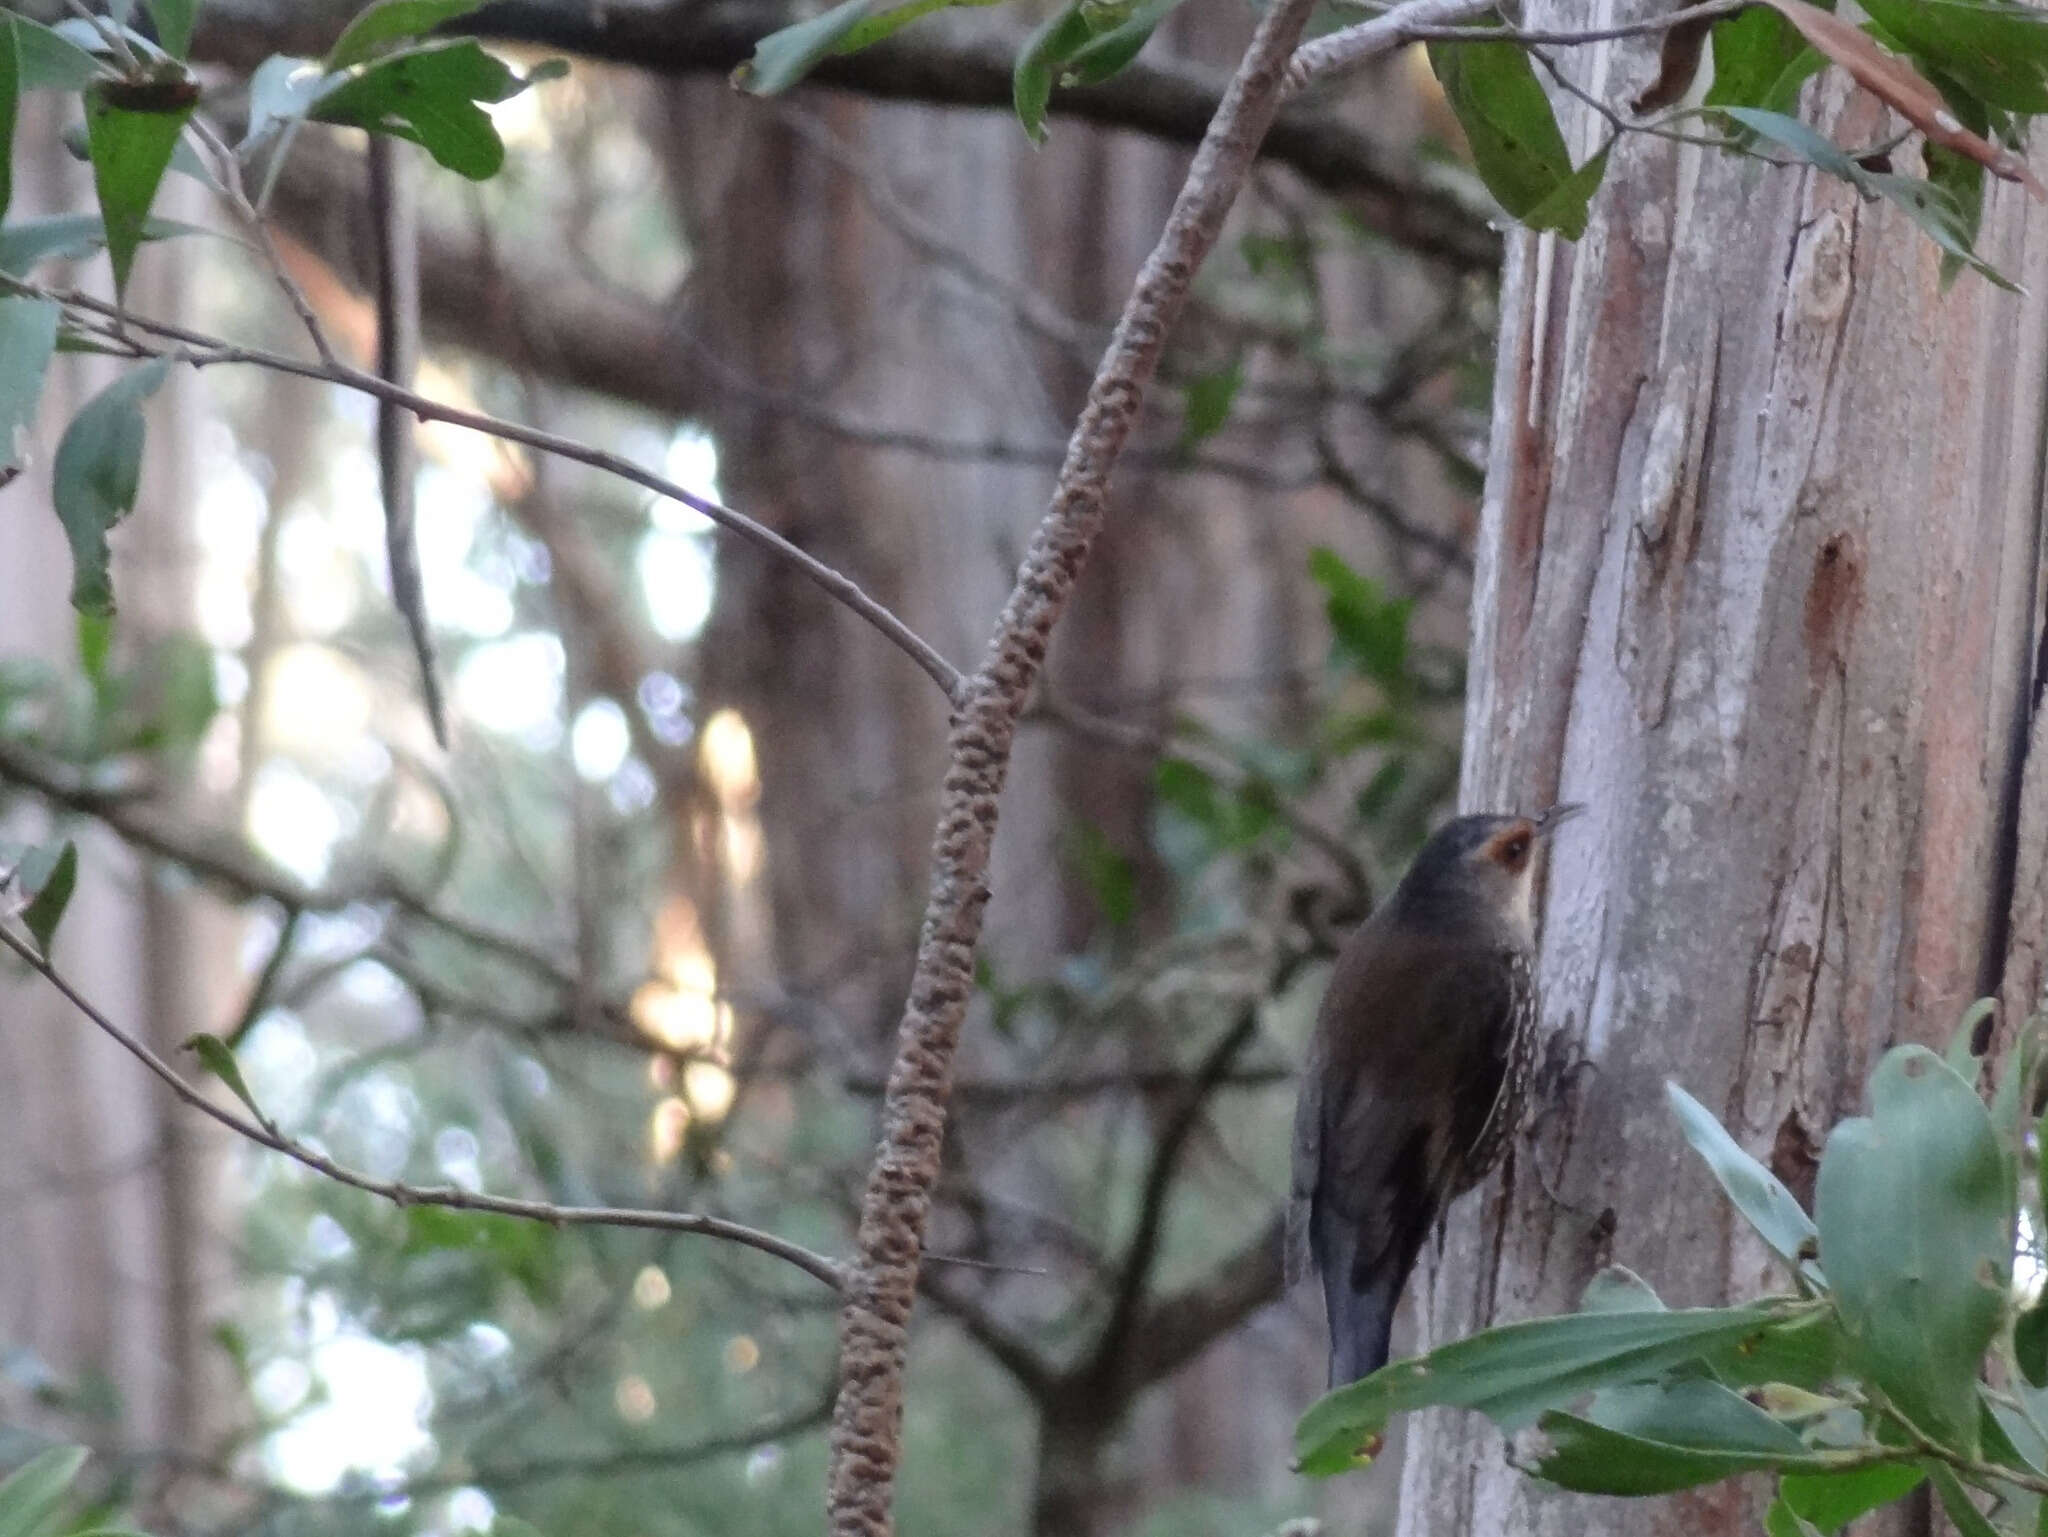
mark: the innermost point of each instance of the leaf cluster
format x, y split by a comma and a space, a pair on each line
142, 105
1966, 75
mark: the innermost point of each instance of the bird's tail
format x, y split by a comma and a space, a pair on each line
1361, 1322
1362, 1284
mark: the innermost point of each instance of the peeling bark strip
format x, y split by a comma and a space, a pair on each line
867, 1420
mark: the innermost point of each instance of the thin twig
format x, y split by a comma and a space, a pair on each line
1355, 46
237, 198
110, 33
211, 350
267, 1135
1648, 26
394, 211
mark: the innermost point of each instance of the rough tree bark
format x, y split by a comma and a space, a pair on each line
1758, 581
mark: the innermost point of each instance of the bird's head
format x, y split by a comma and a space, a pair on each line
1481, 869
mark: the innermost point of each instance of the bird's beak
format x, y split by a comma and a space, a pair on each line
1548, 821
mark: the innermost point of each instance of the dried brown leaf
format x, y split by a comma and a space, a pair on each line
1676, 65
1901, 87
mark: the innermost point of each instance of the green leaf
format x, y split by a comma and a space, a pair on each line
1190, 790
1965, 1050
1803, 1351
1513, 1373
392, 21
28, 337
1618, 1289
2030, 1343
131, 149
873, 29
33, 1492
1996, 50
10, 99
98, 471
1760, 60
51, 61
1957, 1504
218, 1058
1754, 1190
1055, 40
784, 57
1961, 181
1565, 210
1516, 145
1916, 1214
1781, 1521
282, 90
1827, 1502
174, 19
1370, 630
1934, 208
429, 95
1111, 877
1653, 1439
1209, 399
1109, 53
51, 874
68, 237
95, 634
2010, 1439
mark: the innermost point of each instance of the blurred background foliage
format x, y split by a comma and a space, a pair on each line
639, 936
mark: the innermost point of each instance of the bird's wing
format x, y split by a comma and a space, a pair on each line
1412, 1061
1308, 1138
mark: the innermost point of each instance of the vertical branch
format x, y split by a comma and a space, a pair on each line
882, 1283
394, 210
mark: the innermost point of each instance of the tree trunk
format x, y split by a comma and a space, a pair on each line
1757, 582
116, 1265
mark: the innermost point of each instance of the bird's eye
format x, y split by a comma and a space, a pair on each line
1513, 850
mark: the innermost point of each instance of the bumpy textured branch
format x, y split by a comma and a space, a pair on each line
882, 1282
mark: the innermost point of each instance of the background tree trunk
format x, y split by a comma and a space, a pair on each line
115, 1264
1758, 582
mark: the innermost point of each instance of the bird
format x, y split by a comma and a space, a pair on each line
1417, 1073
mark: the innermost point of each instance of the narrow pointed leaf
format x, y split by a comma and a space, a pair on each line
393, 21
50, 60
32, 1493
1515, 1372
97, 473
52, 895
28, 336
131, 140
1956, 1503
1107, 54
1656, 1439
1516, 144
10, 100
1055, 40
174, 20
219, 1059
784, 57
1758, 1194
